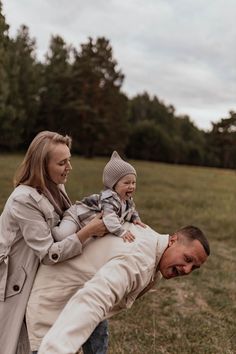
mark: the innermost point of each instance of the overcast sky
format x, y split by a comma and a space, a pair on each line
182, 51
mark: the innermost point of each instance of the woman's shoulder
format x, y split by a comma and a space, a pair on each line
21, 197
24, 191
25, 196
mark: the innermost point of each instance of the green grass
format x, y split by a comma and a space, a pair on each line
195, 314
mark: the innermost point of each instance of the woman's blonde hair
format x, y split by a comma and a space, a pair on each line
33, 169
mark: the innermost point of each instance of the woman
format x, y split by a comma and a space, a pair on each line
34, 207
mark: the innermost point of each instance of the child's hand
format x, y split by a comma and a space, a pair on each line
128, 237
140, 223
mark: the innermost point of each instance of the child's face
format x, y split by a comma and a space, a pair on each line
126, 186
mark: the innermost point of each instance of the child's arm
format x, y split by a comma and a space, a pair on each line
128, 236
139, 222
111, 219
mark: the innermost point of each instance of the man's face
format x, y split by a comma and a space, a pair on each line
181, 257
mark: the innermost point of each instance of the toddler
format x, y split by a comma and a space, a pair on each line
115, 202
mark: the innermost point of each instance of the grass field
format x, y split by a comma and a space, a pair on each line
195, 314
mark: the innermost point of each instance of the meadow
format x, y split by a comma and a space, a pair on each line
195, 314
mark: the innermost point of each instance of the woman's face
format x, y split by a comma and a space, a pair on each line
59, 163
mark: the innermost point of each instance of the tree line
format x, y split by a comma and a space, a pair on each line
79, 92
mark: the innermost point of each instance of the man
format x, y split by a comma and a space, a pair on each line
110, 275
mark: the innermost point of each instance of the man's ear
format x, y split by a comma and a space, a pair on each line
173, 239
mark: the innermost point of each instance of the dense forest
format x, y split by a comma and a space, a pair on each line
79, 92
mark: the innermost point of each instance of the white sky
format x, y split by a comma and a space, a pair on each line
182, 51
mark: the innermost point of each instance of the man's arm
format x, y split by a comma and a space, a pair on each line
89, 306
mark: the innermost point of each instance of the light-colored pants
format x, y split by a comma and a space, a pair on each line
98, 341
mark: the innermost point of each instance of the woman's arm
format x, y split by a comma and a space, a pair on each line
70, 224
33, 224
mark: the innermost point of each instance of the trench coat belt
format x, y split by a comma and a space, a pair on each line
4, 261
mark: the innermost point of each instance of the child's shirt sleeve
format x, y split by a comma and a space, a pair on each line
135, 216
111, 219
111, 208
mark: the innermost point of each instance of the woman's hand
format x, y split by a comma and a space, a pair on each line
95, 227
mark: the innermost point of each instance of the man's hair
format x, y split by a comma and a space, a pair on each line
192, 233
33, 169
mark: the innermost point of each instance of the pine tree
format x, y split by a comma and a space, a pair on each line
100, 109
54, 88
24, 77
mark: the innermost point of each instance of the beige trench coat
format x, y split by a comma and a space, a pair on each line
110, 274
25, 240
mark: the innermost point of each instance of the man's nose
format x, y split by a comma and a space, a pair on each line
188, 268
68, 166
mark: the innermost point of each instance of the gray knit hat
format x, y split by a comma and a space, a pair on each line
115, 169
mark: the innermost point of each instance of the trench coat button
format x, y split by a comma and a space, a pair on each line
16, 287
54, 256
